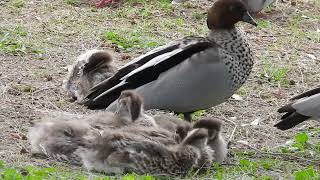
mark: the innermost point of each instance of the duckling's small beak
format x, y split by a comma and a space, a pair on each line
247, 18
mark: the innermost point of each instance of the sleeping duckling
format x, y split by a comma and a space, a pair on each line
90, 68
173, 124
216, 140
59, 137
181, 128
120, 151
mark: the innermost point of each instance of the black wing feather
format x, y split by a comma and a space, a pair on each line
152, 73
290, 120
287, 108
307, 94
116, 79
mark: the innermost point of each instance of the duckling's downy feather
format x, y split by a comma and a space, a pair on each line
61, 134
215, 140
132, 153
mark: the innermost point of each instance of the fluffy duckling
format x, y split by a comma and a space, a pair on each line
59, 137
91, 68
181, 128
120, 152
189, 74
255, 6
216, 140
305, 107
173, 124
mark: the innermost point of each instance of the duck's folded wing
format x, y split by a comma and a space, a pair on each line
137, 62
299, 111
144, 70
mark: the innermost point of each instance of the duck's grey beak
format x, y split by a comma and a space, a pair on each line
247, 18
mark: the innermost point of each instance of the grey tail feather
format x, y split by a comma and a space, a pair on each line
307, 94
290, 120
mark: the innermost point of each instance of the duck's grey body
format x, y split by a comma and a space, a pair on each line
257, 5
217, 67
306, 106
309, 106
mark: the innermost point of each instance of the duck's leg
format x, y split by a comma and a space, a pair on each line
103, 3
187, 116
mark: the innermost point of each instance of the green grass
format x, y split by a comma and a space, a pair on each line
274, 73
133, 40
73, 2
246, 164
264, 24
37, 173
17, 3
13, 41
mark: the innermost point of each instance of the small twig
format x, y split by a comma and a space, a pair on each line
198, 170
234, 129
43, 89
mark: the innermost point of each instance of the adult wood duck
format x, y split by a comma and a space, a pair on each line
189, 74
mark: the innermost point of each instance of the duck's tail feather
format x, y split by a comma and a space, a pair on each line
290, 120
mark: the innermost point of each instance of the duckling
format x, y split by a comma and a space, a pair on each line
255, 6
59, 137
181, 128
216, 140
91, 68
120, 152
305, 107
189, 74
173, 124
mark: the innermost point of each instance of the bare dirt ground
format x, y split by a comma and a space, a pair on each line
50, 34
